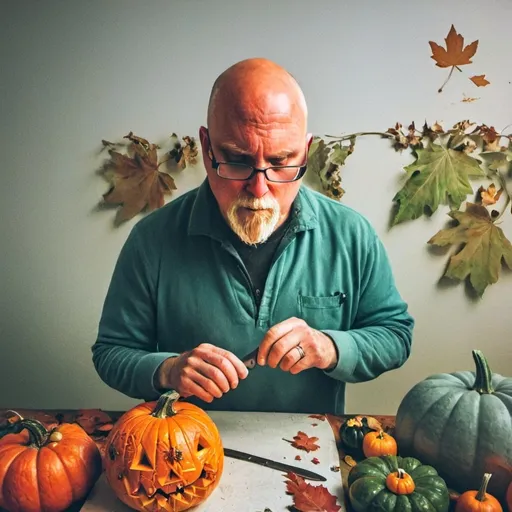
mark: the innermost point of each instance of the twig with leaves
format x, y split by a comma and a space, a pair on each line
445, 162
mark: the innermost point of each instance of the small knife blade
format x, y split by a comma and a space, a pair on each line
305, 473
250, 359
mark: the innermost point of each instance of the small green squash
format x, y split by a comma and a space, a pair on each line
352, 432
460, 423
373, 485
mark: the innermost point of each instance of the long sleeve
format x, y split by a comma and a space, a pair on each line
125, 352
381, 336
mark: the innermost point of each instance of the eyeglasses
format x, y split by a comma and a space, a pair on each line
243, 172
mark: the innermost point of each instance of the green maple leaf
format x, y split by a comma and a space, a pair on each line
438, 176
485, 246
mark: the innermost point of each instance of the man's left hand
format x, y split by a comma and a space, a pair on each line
294, 346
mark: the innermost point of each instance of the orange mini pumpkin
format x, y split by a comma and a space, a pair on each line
400, 482
43, 470
478, 501
379, 443
164, 455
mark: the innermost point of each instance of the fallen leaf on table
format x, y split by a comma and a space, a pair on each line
484, 247
310, 498
92, 419
303, 442
455, 54
314, 424
314, 460
479, 80
335, 469
349, 461
298, 457
320, 417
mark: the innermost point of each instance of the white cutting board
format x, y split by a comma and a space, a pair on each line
249, 487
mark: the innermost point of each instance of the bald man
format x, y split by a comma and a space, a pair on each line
252, 263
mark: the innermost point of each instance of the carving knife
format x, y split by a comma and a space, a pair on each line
305, 473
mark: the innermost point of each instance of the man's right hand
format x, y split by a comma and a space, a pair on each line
206, 372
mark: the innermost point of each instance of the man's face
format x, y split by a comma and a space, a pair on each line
255, 208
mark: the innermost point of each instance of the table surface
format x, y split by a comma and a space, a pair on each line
97, 423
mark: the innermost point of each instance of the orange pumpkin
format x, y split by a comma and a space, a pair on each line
164, 455
400, 482
478, 501
379, 443
43, 470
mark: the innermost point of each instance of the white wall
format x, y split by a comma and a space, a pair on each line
73, 73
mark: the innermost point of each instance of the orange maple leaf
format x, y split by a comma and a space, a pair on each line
317, 416
137, 182
479, 80
310, 498
490, 195
455, 53
303, 442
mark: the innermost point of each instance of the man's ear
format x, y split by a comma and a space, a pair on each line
309, 138
203, 137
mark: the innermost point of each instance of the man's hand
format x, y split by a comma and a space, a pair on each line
206, 371
279, 347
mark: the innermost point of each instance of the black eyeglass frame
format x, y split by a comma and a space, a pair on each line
215, 164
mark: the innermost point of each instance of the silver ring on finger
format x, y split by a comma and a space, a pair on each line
302, 354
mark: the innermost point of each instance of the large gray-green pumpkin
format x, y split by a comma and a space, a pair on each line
460, 423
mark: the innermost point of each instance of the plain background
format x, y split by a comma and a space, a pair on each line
73, 73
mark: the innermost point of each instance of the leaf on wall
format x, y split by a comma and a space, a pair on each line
137, 182
439, 175
455, 55
484, 247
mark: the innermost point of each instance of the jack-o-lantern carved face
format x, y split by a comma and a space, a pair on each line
167, 456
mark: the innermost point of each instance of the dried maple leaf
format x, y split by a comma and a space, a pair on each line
303, 442
310, 498
455, 53
484, 247
479, 80
468, 99
137, 182
439, 176
489, 195
91, 419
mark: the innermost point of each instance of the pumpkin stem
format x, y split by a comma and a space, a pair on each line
480, 495
165, 405
38, 434
401, 473
483, 376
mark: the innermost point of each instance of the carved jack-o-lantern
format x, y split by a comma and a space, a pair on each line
164, 455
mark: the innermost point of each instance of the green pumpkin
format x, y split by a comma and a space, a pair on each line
368, 490
460, 423
352, 432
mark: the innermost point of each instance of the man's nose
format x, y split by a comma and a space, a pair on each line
257, 185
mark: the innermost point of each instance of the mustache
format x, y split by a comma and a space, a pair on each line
256, 203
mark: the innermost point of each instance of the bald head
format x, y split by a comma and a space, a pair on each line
254, 87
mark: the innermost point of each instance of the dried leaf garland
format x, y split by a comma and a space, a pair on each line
445, 164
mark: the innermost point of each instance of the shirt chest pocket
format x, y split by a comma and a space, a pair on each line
322, 311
